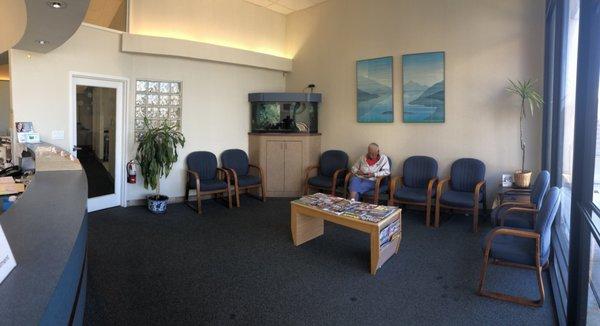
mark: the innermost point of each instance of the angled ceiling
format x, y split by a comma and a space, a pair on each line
286, 6
102, 12
13, 19
53, 26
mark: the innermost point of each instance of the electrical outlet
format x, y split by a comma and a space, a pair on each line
58, 134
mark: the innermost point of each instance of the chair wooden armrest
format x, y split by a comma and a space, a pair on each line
430, 186
306, 175
260, 170
395, 184
517, 204
476, 193
377, 187
336, 175
533, 212
502, 230
346, 181
441, 186
196, 177
226, 173
309, 169
232, 173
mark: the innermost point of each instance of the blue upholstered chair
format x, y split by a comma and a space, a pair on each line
332, 168
463, 191
204, 176
236, 162
416, 186
522, 214
382, 186
522, 248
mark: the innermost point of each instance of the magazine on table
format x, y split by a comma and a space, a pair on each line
350, 208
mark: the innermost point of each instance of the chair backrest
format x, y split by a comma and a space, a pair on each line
544, 220
540, 187
203, 163
235, 159
331, 161
466, 173
418, 170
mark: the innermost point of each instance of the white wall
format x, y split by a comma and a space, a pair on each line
485, 41
215, 107
233, 23
5, 114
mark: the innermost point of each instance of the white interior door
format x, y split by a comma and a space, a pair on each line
97, 137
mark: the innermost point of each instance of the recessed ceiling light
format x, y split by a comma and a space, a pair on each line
56, 4
42, 42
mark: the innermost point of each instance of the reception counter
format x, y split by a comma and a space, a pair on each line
47, 232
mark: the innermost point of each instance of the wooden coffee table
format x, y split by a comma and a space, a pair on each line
307, 224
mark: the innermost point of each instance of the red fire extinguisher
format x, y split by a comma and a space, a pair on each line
131, 172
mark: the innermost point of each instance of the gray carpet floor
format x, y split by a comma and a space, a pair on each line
239, 266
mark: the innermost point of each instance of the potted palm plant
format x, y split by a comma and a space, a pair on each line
156, 154
528, 95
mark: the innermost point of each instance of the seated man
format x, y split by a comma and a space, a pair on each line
366, 170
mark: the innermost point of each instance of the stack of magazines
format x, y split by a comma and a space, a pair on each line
389, 233
341, 206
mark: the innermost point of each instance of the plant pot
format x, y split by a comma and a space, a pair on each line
157, 204
522, 179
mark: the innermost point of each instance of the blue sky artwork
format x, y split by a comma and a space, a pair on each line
374, 91
423, 87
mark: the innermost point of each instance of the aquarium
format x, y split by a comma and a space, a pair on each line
284, 112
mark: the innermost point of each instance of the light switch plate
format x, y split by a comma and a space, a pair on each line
58, 134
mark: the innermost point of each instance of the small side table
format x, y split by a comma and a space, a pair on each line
510, 194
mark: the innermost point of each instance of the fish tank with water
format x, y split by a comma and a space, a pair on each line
284, 112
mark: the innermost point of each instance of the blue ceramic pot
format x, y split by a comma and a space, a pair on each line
157, 204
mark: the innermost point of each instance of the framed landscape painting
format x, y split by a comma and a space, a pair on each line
423, 88
375, 90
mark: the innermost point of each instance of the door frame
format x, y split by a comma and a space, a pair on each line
120, 124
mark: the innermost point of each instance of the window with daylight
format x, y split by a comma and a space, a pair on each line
159, 101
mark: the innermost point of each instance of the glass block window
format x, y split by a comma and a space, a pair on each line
159, 101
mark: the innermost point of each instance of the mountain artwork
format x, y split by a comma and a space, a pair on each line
423, 88
374, 90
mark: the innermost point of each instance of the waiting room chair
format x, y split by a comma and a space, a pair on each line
523, 214
204, 176
522, 248
236, 162
463, 191
332, 168
382, 186
416, 186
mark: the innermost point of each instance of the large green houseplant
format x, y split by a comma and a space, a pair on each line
156, 154
529, 97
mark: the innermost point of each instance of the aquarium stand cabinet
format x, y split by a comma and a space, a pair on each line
284, 157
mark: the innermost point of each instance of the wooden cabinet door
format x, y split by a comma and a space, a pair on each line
293, 167
275, 168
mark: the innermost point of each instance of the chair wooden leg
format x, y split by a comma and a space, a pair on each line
262, 192
237, 196
437, 215
511, 298
428, 213
475, 218
484, 268
540, 285
198, 203
229, 205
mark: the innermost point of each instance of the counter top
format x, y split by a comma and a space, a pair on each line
47, 232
